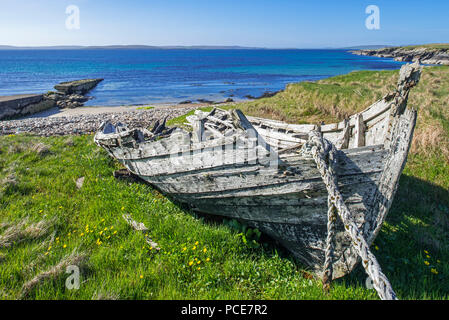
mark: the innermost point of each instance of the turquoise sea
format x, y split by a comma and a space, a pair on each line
146, 76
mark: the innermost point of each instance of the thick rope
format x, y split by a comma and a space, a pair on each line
325, 154
331, 228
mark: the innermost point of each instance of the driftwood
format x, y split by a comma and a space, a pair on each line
252, 169
142, 228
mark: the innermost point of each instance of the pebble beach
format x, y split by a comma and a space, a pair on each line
87, 120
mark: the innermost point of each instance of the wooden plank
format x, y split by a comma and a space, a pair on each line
359, 133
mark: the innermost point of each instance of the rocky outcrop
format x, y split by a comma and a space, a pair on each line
69, 95
67, 101
22, 105
78, 87
424, 55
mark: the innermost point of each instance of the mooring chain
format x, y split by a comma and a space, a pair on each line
325, 155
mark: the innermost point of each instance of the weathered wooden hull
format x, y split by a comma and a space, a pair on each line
288, 201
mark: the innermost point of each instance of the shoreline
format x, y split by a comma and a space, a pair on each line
87, 119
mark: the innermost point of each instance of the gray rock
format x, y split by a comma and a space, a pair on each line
78, 86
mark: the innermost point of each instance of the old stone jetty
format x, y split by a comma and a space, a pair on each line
68, 95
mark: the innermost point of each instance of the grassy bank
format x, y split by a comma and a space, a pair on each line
48, 222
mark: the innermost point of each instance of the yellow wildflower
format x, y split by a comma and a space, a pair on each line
64, 246
204, 250
376, 247
208, 259
199, 268
438, 261
141, 276
190, 263
123, 208
82, 234
426, 252
199, 262
196, 243
426, 263
427, 256
434, 271
115, 232
184, 249
194, 248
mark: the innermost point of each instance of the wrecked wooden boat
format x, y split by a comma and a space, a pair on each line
255, 170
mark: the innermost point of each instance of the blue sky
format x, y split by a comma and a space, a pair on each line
262, 23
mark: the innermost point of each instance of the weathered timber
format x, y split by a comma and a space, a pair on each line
252, 169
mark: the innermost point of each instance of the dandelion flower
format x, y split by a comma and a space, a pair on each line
123, 208
199, 268
184, 249
199, 262
190, 263
64, 246
434, 271
208, 259
115, 232
194, 248
82, 234
426, 252
141, 276
196, 243
426, 263
427, 256
376, 247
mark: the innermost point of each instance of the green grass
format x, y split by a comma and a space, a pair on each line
145, 108
432, 46
38, 183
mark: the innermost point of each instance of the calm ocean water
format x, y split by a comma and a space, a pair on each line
170, 76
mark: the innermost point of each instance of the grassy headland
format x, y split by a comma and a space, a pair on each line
47, 222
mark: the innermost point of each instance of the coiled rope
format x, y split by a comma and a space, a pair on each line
325, 155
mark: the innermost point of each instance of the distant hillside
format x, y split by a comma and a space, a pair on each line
128, 47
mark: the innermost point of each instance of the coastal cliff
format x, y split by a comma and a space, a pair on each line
437, 54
